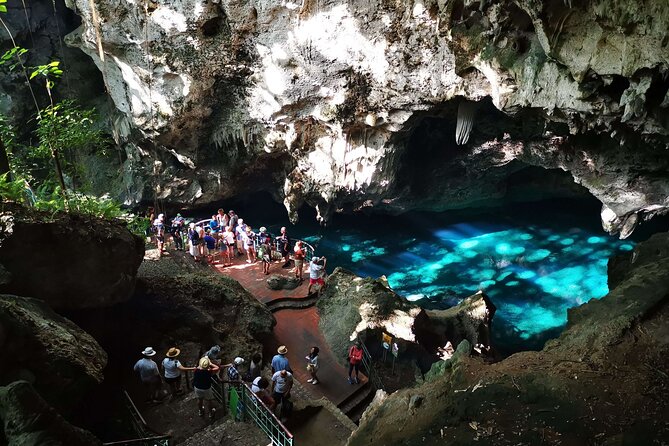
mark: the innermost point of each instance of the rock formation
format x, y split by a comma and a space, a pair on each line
30, 421
349, 105
602, 381
354, 307
57, 357
68, 260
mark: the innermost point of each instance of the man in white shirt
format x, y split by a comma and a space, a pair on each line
149, 374
316, 273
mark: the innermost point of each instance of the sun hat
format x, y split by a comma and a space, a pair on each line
263, 229
149, 351
239, 360
178, 215
282, 350
173, 352
204, 363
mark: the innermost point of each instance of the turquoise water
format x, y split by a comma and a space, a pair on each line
534, 261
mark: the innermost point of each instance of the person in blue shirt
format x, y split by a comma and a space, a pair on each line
279, 361
214, 225
210, 242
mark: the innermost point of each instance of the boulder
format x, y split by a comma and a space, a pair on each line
82, 262
30, 421
351, 306
470, 320
61, 360
279, 282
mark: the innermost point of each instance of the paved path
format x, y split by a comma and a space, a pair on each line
297, 329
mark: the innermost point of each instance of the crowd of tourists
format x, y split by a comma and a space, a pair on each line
226, 236
271, 385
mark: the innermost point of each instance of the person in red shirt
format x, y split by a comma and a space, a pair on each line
354, 360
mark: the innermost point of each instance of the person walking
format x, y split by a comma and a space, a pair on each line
312, 364
279, 361
149, 374
233, 372
299, 255
354, 360
282, 382
172, 369
202, 386
265, 254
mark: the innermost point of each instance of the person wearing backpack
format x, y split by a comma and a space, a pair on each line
354, 360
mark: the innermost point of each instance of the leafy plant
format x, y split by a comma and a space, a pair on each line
12, 190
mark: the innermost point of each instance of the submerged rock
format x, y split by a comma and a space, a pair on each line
30, 421
61, 360
68, 260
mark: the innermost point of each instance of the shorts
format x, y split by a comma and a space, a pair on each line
206, 394
319, 281
298, 264
173, 380
161, 238
266, 258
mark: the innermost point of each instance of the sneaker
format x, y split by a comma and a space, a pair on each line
350, 381
357, 381
212, 414
200, 412
310, 380
314, 381
248, 261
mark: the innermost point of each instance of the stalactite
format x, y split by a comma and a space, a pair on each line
466, 112
96, 26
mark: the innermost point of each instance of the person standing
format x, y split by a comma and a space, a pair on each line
149, 374
159, 224
228, 242
354, 360
312, 364
240, 231
279, 361
283, 242
233, 222
202, 386
282, 382
260, 389
210, 246
254, 368
299, 256
177, 232
172, 369
316, 273
222, 218
233, 373
194, 241
265, 254
249, 239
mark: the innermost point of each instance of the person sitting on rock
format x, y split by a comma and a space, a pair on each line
172, 369
316, 273
149, 374
279, 361
202, 386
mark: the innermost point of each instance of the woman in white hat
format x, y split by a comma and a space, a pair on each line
172, 369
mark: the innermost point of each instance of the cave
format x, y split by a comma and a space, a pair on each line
353, 223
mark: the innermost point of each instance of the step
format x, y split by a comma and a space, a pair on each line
354, 400
284, 303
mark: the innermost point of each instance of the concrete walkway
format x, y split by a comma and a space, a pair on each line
298, 330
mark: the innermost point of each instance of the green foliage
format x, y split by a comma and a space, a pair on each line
14, 53
14, 191
3, 8
49, 71
103, 207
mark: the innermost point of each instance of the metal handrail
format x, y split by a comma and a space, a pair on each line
371, 373
146, 435
263, 417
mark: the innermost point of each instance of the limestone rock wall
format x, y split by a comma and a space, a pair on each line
327, 102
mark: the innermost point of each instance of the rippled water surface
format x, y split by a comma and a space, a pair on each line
535, 261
